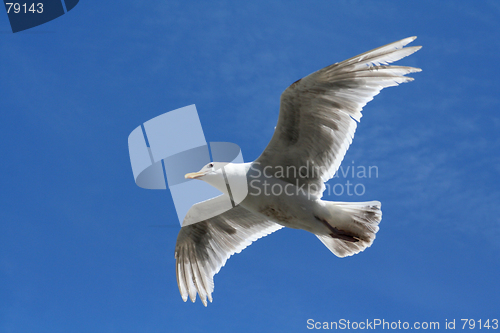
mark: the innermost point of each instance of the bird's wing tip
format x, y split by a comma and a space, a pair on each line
410, 39
403, 42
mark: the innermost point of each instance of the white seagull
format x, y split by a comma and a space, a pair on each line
317, 120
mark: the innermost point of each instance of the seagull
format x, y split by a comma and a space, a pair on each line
317, 120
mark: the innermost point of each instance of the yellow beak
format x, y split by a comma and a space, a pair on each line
194, 175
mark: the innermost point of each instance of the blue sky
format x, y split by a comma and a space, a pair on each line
83, 249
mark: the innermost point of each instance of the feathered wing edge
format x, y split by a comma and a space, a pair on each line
334, 97
203, 248
384, 54
372, 72
371, 67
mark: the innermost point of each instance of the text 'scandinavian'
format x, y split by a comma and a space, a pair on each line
317, 120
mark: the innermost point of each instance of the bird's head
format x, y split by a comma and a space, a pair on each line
211, 169
223, 175
212, 173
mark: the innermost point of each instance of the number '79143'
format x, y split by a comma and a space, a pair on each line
17, 7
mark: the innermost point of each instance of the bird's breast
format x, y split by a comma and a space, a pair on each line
281, 202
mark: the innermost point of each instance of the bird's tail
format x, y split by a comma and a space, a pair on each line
356, 224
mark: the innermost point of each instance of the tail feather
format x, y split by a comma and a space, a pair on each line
364, 218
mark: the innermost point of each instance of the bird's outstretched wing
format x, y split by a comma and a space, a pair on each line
203, 248
318, 114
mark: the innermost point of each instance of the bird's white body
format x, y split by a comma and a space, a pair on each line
274, 199
290, 205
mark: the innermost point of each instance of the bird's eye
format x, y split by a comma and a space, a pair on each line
210, 165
